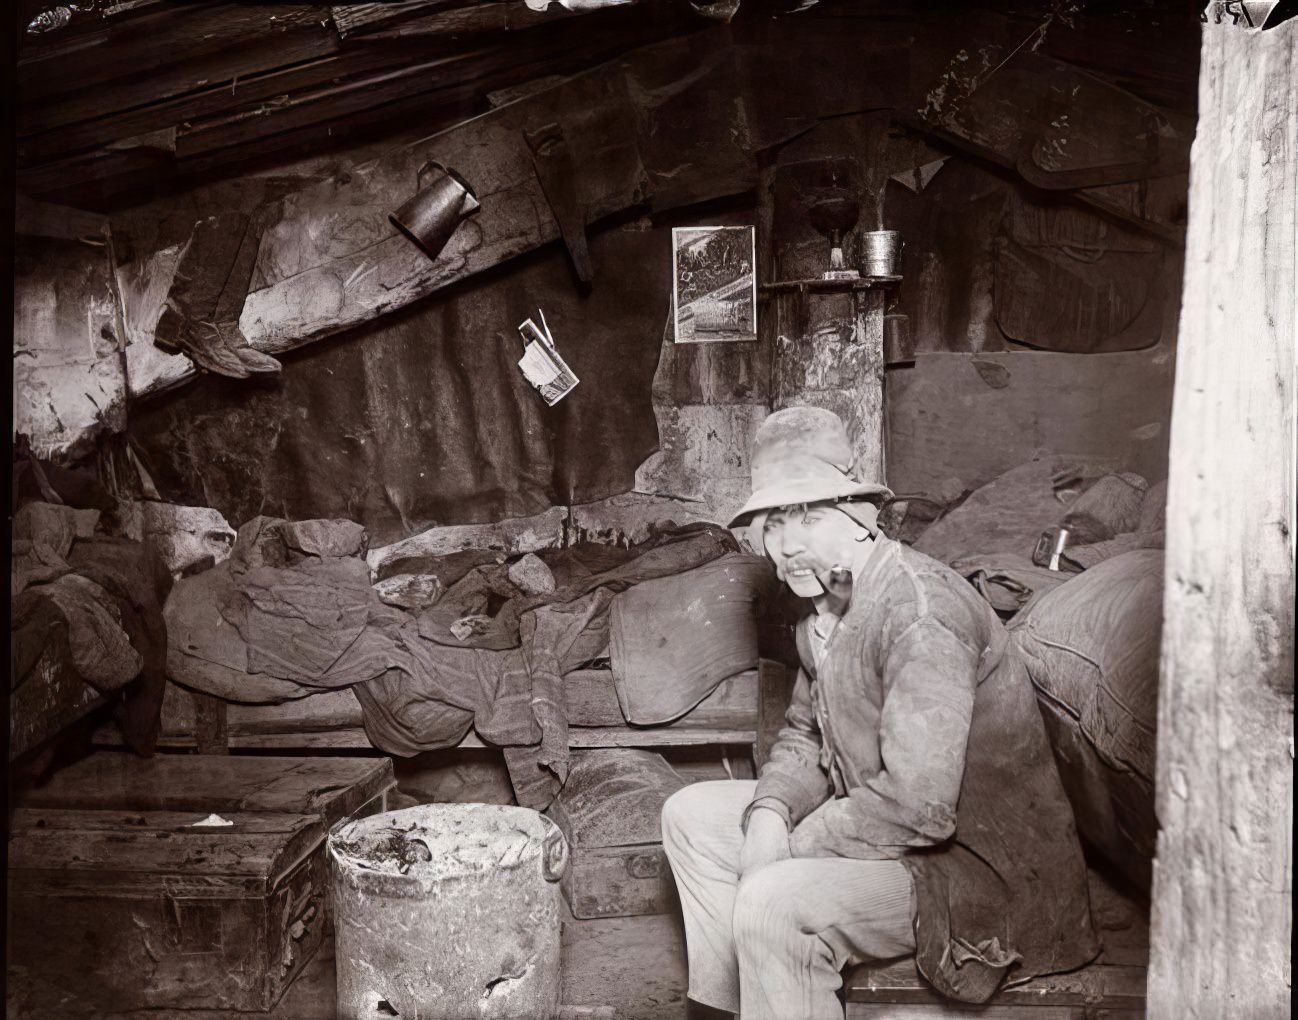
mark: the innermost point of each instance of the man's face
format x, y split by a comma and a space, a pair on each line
804, 543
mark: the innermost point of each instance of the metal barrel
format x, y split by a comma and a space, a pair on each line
448, 912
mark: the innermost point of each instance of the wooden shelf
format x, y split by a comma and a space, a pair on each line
816, 285
745, 710
630, 736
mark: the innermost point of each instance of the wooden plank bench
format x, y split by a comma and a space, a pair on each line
1111, 988
897, 992
744, 711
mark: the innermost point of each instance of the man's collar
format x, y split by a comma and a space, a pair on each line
866, 554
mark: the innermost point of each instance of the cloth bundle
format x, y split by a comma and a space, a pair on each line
990, 537
1091, 649
284, 618
92, 605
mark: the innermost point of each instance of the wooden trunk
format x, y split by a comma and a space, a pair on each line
620, 881
609, 810
125, 903
333, 788
143, 910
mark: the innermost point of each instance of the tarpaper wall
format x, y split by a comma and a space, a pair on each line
421, 418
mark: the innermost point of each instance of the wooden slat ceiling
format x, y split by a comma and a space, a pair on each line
179, 89
142, 92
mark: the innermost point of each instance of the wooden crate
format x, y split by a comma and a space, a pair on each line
1098, 992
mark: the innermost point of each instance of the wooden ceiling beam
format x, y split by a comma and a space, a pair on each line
291, 81
69, 96
225, 99
219, 127
175, 49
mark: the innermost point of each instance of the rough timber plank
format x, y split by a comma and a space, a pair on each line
93, 146
839, 367
334, 260
1114, 987
69, 371
590, 694
1223, 873
258, 847
357, 19
107, 781
354, 738
185, 48
676, 735
112, 118
592, 702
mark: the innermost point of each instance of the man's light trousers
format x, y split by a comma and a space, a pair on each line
771, 946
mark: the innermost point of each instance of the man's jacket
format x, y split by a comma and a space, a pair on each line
916, 737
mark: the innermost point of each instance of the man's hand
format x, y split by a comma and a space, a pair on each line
767, 841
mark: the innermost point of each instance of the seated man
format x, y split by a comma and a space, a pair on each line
910, 805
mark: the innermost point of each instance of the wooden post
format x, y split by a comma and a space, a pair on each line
834, 360
867, 332
1222, 915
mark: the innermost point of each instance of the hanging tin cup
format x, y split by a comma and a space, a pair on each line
442, 202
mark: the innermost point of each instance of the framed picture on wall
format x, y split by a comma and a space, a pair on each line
714, 284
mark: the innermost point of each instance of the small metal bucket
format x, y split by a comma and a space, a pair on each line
437, 208
448, 912
881, 248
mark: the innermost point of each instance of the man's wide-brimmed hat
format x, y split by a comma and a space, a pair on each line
801, 455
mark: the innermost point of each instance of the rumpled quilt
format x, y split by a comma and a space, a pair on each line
276, 621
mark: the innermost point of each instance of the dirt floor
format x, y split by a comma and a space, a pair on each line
635, 965
620, 968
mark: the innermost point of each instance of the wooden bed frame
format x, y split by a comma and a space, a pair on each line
745, 710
